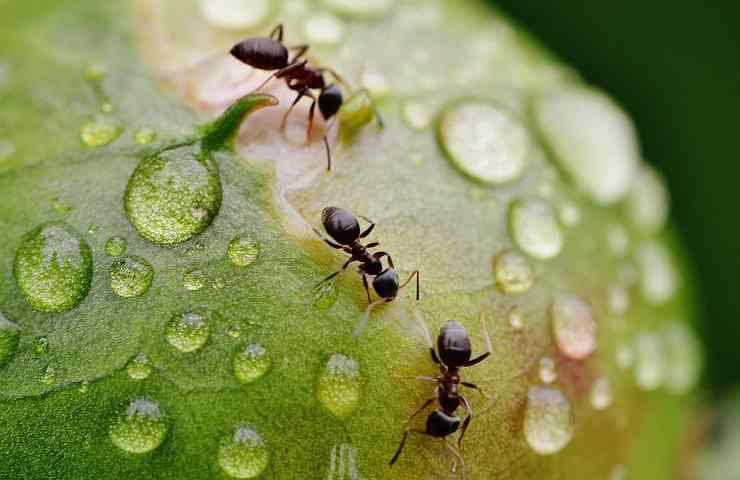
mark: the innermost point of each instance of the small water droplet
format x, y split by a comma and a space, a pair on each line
647, 202
9, 336
485, 142
650, 361
574, 326
40, 345
58, 205
187, 332
234, 14
548, 372
251, 363
658, 276
601, 393
95, 71
106, 107
244, 454
625, 356
548, 420
323, 29
243, 250
194, 279
139, 367
116, 246
84, 387
683, 356
218, 283
569, 214
130, 276
53, 267
534, 229
360, 8
145, 135
234, 329
100, 132
48, 375
140, 427
417, 115
92, 229
339, 386
514, 273
516, 319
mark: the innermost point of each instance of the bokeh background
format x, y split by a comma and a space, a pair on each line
675, 67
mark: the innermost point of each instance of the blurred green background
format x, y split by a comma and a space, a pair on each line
675, 67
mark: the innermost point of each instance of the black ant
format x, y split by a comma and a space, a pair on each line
269, 53
454, 347
344, 228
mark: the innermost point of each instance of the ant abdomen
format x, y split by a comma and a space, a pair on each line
340, 224
386, 283
439, 424
261, 53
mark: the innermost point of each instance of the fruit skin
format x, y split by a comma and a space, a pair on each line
444, 225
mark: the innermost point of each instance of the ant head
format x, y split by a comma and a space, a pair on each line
453, 344
262, 53
386, 284
340, 224
330, 101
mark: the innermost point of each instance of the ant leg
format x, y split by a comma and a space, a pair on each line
458, 460
367, 288
427, 336
489, 345
403, 443
474, 387
336, 76
428, 379
416, 273
328, 242
309, 127
344, 267
466, 422
421, 408
277, 31
302, 49
298, 97
368, 229
365, 316
372, 244
281, 73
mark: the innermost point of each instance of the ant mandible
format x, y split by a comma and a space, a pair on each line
344, 228
269, 53
454, 347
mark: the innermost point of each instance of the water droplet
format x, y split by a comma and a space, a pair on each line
658, 277
234, 329
548, 420
650, 361
41, 345
9, 335
601, 393
84, 387
218, 283
625, 356
187, 332
251, 363
339, 386
417, 115
48, 375
139, 367
244, 454
173, 196
100, 132
242, 250
323, 29
130, 276
485, 142
647, 202
95, 71
145, 135
593, 140
569, 214
194, 279
61, 207
325, 295
53, 267
92, 229
234, 14
514, 273
106, 107
140, 427
573, 325
516, 319
548, 372
360, 8
683, 356
534, 229
116, 246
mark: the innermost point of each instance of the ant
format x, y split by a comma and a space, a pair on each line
269, 53
454, 347
344, 228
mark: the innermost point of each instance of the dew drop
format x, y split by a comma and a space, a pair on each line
647, 202
534, 229
244, 454
116, 246
360, 8
548, 372
9, 335
194, 279
574, 326
53, 267
234, 14
323, 29
130, 276
484, 141
658, 277
48, 375
140, 427
243, 250
593, 140
139, 367
187, 332
100, 132
514, 273
339, 385
59, 206
251, 363
106, 107
650, 368
601, 393
548, 420
516, 319
417, 115
145, 135
84, 387
40, 345
173, 196
92, 229
683, 358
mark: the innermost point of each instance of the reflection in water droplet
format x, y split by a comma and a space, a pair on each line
514, 273
658, 276
339, 386
360, 8
417, 115
139, 367
684, 358
234, 14
244, 454
139, 428
650, 361
194, 279
187, 332
574, 326
243, 250
548, 373
548, 420
145, 135
534, 229
647, 202
48, 375
251, 363
116, 246
41, 345
53, 267
485, 142
516, 319
100, 132
9, 336
130, 276
601, 393
323, 29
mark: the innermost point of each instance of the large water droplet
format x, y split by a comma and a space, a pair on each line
234, 14
359, 8
601, 393
140, 427
139, 367
593, 140
339, 386
194, 279
130, 276
100, 132
116, 246
9, 335
173, 196
647, 202
535, 229
573, 325
485, 142
251, 363
243, 250
683, 358
244, 454
323, 29
514, 273
650, 361
548, 420
53, 267
658, 276
187, 332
